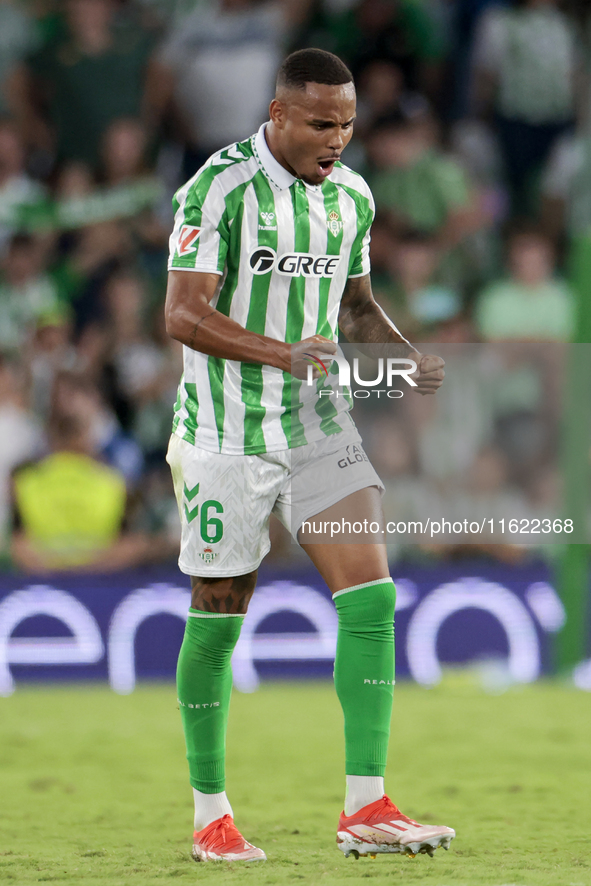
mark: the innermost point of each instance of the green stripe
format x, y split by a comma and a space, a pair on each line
364, 220
177, 406
216, 366
259, 292
197, 193
235, 210
333, 247
325, 408
291, 402
252, 375
215, 371
192, 407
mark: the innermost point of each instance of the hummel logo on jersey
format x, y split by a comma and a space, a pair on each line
293, 264
268, 218
187, 237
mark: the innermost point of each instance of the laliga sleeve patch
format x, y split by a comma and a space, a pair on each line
187, 237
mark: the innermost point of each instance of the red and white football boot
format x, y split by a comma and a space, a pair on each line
381, 827
222, 841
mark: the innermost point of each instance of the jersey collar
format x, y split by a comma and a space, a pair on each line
279, 177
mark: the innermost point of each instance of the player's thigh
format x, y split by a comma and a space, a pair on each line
225, 502
332, 506
344, 561
224, 595
322, 475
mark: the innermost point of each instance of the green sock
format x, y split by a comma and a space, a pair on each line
204, 686
364, 673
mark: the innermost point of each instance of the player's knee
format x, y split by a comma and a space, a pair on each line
230, 595
369, 605
382, 600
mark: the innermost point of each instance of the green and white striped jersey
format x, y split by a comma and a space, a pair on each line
284, 250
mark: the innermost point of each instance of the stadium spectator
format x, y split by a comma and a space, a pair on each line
531, 304
143, 370
423, 302
566, 187
463, 19
50, 352
418, 185
92, 238
75, 396
382, 91
17, 188
525, 70
92, 71
398, 31
134, 189
21, 436
220, 61
17, 38
27, 292
69, 510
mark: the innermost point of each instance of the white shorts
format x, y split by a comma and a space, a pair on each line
225, 501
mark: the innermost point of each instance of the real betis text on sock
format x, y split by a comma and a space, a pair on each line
204, 686
364, 673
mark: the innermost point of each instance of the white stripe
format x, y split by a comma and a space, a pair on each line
390, 829
318, 246
367, 584
211, 270
216, 615
342, 175
349, 217
214, 205
233, 441
196, 369
276, 323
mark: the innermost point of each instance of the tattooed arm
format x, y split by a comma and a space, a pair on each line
191, 319
362, 320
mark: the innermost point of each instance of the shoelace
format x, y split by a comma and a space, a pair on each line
224, 835
387, 809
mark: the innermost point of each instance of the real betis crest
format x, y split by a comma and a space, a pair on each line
208, 555
334, 223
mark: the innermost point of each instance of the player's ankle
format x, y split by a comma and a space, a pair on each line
210, 807
361, 791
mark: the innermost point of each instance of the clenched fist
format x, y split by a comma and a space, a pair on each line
430, 373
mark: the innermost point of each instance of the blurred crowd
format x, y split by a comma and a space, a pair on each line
473, 131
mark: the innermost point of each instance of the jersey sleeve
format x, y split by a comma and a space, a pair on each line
199, 240
359, 264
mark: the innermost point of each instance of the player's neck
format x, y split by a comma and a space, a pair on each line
272, 139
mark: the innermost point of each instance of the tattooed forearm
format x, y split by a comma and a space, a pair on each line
361, 319
193, 334
224, 595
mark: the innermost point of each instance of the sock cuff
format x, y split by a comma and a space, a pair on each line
367, 584
211, 776
196, 613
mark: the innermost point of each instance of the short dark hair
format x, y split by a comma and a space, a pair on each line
312, 66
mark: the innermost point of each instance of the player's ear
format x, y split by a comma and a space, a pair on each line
277, 113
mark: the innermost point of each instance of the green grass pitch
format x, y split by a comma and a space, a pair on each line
93, 786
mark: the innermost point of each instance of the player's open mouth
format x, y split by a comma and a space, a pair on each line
325, 167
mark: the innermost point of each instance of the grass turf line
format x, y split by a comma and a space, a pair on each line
94, 789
